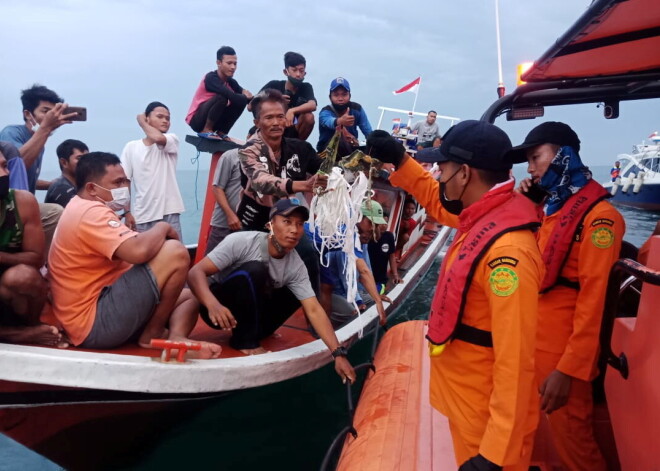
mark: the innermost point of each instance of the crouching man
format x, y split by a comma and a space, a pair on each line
109, 283
262, 283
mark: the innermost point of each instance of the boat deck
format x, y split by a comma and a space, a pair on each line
293, 333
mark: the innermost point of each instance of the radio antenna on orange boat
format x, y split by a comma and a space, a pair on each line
500, 83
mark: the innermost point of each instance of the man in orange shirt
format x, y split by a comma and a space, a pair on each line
109, 283
483, 314
580, 239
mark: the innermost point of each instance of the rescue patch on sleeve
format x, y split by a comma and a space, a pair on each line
607, 222
503, 281
496, 262
602, 237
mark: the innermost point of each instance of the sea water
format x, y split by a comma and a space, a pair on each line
286, 426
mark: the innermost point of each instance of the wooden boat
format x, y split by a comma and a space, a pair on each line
603, 58
44, 392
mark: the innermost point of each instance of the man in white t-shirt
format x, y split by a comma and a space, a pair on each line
150, 165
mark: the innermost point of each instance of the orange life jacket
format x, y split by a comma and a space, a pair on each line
496, 214
566, 230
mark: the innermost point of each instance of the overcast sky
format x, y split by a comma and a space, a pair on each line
114, 57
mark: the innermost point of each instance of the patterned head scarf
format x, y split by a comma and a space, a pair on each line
565, 177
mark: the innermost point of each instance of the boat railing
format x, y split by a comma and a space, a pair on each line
622, 276
410, 114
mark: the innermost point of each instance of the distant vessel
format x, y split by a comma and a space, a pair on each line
638, 184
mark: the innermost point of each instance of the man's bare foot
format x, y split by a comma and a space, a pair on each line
41, 334
209, 350
255, 351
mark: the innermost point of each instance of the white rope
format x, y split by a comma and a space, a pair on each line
334, 214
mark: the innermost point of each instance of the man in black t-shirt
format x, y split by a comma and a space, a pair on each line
63, 188
299, 95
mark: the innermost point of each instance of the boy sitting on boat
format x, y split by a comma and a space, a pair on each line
22, 289
111, 284
298, 94
262, 282
219, 100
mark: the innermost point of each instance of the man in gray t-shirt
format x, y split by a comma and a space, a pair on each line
227, 190
261, 282
426, 130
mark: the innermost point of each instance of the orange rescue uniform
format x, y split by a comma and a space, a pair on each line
488, 394
569, 328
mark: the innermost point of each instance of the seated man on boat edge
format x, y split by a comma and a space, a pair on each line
482, 324
299, 95
343, 113
262, 282
22, 288
111, 285
219, 100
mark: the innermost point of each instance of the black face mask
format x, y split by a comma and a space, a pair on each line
340, 108
296, 82
452, 206
4, 186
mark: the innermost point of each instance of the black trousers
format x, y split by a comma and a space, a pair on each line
222, 116
259, 310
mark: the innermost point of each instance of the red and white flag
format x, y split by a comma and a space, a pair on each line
411, 87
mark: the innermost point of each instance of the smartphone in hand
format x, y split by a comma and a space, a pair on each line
81, 113
536, 193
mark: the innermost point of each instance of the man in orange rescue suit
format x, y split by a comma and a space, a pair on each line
483, 315
580, 239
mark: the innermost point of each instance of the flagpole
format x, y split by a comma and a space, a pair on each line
415, 101
500, 83
416, 93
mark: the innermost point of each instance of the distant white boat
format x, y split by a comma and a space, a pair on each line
638, 184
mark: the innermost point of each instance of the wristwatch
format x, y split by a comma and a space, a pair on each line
339, 352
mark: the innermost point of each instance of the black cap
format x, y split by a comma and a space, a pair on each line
550, 132
477, 144
285, 207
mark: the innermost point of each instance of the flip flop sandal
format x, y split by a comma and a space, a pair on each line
213, 136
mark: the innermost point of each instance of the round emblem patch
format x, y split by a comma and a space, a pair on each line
385, 248
602, 237
113, 223
503, 281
